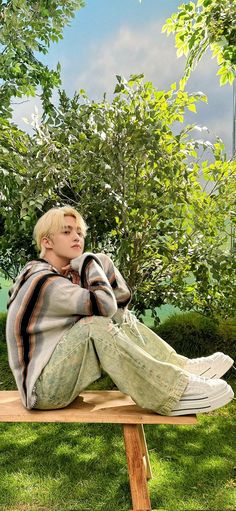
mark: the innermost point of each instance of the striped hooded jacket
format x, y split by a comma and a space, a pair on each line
44, 305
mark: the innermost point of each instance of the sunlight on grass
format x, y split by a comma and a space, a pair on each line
82, 467
213, 463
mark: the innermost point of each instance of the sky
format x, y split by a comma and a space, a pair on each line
120, 37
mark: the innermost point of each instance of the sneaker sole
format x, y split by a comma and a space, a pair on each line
203, 405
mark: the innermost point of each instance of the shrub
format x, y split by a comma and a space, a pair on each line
227, 336
194, 335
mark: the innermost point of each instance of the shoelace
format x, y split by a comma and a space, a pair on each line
131, 320
125, 317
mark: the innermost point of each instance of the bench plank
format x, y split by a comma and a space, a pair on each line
108, 406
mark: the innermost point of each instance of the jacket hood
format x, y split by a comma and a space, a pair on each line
29, 269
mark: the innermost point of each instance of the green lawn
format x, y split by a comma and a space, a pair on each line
82, 467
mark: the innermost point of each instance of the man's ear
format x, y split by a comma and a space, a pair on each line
46, 242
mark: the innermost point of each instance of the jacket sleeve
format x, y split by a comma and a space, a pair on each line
93, 297
94, 278
120, 288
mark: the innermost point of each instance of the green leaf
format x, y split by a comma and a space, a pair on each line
192, 108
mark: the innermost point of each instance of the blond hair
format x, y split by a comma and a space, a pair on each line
53, 222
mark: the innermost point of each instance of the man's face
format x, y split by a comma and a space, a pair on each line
69, 243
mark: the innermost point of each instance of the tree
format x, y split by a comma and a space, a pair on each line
15, 163
137, 184
28, 28
203, 24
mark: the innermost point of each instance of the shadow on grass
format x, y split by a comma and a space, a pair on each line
82, 467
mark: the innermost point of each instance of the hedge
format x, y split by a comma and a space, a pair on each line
194, 335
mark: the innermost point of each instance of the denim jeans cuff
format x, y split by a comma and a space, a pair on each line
175, 395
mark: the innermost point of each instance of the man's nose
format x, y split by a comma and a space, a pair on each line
76, 236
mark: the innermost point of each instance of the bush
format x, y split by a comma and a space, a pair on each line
227, 336
194, 335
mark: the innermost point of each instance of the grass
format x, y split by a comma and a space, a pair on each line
82, 467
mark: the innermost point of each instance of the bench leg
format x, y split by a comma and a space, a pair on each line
136, 468
146, 459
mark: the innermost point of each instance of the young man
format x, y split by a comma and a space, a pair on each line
68, 318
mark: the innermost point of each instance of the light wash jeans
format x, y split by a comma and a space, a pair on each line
139, 362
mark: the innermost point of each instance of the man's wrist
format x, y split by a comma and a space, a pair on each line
79, 263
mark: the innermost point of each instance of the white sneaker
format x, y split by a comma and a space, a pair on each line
203, 395
213, 366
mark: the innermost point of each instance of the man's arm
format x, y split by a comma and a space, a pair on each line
95, 296
120, 288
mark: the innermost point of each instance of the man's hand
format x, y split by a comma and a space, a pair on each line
67, 270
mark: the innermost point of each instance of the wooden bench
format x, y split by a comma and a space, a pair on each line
103, 407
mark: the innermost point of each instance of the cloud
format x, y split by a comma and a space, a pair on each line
130, 51
26, 108
133, 50
23, 109
217, 113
